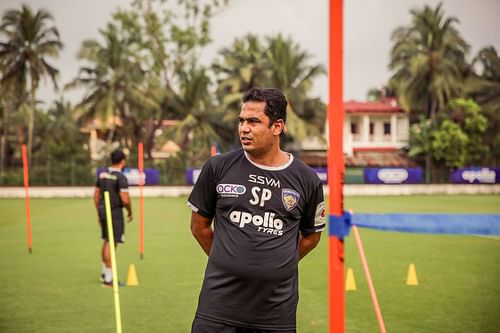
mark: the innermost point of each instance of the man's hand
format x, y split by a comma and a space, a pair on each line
129, 217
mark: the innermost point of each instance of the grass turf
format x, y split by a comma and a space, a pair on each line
55, 289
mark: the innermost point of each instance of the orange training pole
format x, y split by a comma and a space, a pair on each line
373, 294
27, 196
141, 199
335, 167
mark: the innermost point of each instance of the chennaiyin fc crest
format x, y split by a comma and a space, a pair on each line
290, 198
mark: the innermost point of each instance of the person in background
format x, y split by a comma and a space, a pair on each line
113, 181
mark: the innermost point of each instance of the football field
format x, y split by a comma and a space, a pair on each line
56, 288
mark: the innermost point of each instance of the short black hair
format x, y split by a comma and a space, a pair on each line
275, 102
117, 156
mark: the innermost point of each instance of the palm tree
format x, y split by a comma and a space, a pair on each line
30, 39
289, 71
200, 122
276, 63
239, 68
428, 58
113, 83
387, 91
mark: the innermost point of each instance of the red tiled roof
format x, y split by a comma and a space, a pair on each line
371, 107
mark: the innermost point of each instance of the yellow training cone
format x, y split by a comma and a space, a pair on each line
350, 283
412, 280
132, 276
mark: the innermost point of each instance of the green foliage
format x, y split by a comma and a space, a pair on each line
144, 69
474, 124
61, 158
420, 138
421, 144
431, 76
484, 87
275, 62
428, 58
456, 139
199, 122
449, 144
28, 39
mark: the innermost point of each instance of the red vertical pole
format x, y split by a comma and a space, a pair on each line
141, 199
335, 166
27, 196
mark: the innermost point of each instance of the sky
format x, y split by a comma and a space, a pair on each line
368, 25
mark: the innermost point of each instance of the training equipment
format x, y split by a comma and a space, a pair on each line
411, 279
141, 199
368, 276
132, 280
350, 283
111, 240
335, 117
27, 196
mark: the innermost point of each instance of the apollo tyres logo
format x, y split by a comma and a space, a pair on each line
230, 190
267, 222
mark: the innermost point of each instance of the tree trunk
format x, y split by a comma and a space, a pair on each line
433, 109
155, 124
3, 143
31, 123
428, 168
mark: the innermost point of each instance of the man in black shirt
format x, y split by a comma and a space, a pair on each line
113, 181
268, 212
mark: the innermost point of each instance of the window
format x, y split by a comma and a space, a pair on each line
354, 128
387, 128
372, 128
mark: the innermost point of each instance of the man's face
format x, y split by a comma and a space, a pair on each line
256, 136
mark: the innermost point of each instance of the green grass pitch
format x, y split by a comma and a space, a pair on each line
56, 288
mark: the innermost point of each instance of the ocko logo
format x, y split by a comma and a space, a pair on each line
231, 189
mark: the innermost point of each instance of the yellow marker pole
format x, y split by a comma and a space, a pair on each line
111, 242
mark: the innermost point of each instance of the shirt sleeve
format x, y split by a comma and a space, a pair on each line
313, 219
203, 197
122, 183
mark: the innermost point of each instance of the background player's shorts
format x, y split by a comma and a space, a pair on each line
118, 225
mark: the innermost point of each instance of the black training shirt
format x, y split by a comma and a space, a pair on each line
251, 276
113, 181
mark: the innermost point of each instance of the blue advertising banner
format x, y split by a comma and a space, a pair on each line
192, 175
150, 176
393, 175
322, 174
475, 175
